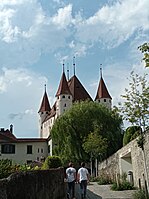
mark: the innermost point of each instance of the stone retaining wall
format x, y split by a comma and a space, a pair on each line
41, 184
128, 158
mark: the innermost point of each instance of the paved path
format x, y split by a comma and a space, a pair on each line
96, 191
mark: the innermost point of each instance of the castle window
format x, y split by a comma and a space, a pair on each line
99, 100
38, 150
64, 105
63, 96
68, 97
46, 112
109, 101
58, 97
104, 100
41, 150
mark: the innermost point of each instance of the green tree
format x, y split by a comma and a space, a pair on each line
70, 130
95, 144
131, 133
145, 50
135, 108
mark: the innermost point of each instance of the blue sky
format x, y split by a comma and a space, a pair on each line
37, 35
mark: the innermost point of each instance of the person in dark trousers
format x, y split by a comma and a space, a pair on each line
71, 178
83, 179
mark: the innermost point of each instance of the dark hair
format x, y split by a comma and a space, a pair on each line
83, 164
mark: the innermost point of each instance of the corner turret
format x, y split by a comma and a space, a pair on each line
64, 96
103, 95
44, 111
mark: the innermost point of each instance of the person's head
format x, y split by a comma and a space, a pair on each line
83, 164
70, 164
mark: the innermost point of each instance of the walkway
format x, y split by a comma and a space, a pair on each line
96, 191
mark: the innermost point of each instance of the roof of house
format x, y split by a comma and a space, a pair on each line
102, 91
78, 92
7, 137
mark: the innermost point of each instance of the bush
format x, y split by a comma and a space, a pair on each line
52, 162
125, 185
102, 179
122, 184
6, 168
140, 194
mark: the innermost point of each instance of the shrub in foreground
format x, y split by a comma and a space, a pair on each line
52, 162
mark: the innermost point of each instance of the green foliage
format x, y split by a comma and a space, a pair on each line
135, 108
124, 185
131, 133
52, 162
24, 167
6, 168
145, 50
141, 141
102, 179
95, 144
73, 127
140, 194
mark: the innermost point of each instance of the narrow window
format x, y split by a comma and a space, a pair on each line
63, 96
49, 149
41, 150
29, 149
65, 105
104, 100
38, 150
68, 97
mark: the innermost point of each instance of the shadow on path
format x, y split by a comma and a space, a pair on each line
90, 194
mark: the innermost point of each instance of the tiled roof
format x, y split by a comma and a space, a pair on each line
102, 91
7, 136
45, 106
77, 90
63, 86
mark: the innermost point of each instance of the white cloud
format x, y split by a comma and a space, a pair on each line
64, 17
20, 94
114, 24
26, 31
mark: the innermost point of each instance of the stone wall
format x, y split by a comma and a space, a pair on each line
41, 184
128, 158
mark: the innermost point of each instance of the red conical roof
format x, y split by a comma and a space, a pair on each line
45, 106
63, 86
102, 91
77, 90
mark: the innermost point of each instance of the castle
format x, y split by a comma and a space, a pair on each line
69, 91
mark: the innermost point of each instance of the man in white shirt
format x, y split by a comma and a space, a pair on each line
71, 178
83, 179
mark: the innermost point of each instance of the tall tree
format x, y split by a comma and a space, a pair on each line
135, 108
145, 50
70, 130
